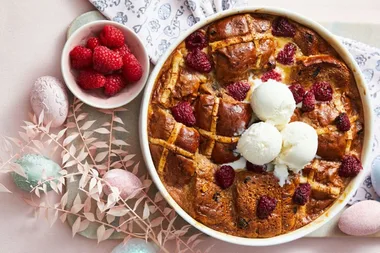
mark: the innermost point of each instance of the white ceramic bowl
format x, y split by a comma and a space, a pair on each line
96, 98
338, 204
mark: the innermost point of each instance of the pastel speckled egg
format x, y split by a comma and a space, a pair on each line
125, 181
135, 245
375, 175
35, 167
49, 95
361, 219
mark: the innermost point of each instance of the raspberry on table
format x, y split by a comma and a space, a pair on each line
308, 103
350, 167
298, 92
343, 122
80, 57
196, 40
111, 37
90, 79
132, 69
255, 168
322, 91
238, 90
281, 27
198, 60
105, 60
122, 51
92, 43
225, 176
302, 194
286, 55
271, 74
265, 207
114, 84
183, 113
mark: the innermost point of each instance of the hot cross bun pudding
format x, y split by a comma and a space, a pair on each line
204, 103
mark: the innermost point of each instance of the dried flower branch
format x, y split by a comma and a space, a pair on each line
85, 158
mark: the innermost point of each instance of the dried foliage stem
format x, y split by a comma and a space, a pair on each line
110, 140
146, 226
96, 221
81, 135
14, 156
54, 179
151, 214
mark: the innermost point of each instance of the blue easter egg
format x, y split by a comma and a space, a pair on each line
375, 175
35, 166
135, 245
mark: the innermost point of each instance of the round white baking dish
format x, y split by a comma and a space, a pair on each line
351, 188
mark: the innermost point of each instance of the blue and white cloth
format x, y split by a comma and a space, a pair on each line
160, 22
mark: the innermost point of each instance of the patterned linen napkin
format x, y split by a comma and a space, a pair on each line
160, 22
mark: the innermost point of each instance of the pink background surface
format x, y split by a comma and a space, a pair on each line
32, 35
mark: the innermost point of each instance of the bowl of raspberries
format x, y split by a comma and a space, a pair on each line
105, 64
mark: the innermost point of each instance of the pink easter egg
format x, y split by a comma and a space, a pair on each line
125, 181
361, 219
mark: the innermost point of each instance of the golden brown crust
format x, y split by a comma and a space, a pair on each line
186, 158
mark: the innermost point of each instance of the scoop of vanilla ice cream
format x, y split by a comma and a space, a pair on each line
299, 145
273, 102
260, 143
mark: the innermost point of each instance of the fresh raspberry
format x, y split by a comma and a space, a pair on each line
343, 122
123, 50
225, 176
132, 69
90, 79
286, 55
298, 92
105, 60
322, 91
271, 74
196, 40
80, 57
198, 60
113, 85
350, 167
111, 37
238, 90
308, 103
183, 112
92, 43
265, 207
302, 194
283, 28
255, 168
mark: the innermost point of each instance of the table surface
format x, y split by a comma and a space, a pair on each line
32, 35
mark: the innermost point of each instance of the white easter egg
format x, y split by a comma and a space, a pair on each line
49, 95
361, 219
126, 182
